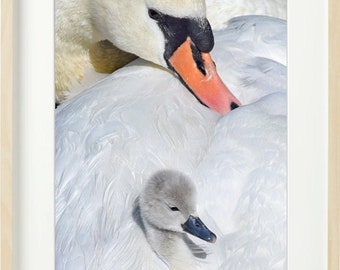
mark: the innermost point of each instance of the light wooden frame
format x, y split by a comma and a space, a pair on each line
6, 136
8, 156
334, 137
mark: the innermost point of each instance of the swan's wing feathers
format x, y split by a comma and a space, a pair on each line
113, 136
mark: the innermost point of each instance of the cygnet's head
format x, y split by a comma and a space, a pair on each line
168, 203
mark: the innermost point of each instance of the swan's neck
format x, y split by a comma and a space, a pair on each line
171, 247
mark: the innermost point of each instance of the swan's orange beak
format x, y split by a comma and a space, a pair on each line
203, 80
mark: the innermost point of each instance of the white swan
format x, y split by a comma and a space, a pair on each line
167, 207
172, 34
113, 136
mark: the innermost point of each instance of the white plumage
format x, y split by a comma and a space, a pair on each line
114, 135
80, 25
219, 12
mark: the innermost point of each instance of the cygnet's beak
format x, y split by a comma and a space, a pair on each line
196, 227
198, 72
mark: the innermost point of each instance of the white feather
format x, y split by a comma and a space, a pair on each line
219, 12
79, 24
114, 135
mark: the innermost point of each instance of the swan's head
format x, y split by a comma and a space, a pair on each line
171, 33
168, 203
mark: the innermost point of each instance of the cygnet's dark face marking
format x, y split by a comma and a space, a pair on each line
196, 227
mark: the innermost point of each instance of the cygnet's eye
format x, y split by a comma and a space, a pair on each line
154, 14
174, 208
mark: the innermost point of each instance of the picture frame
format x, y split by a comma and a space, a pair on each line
27, 137
334, 137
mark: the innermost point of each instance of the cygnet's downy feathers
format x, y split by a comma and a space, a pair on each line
168, 209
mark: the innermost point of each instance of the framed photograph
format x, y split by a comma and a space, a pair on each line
27, 135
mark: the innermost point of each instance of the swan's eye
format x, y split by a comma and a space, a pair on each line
153, 14
174, 208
